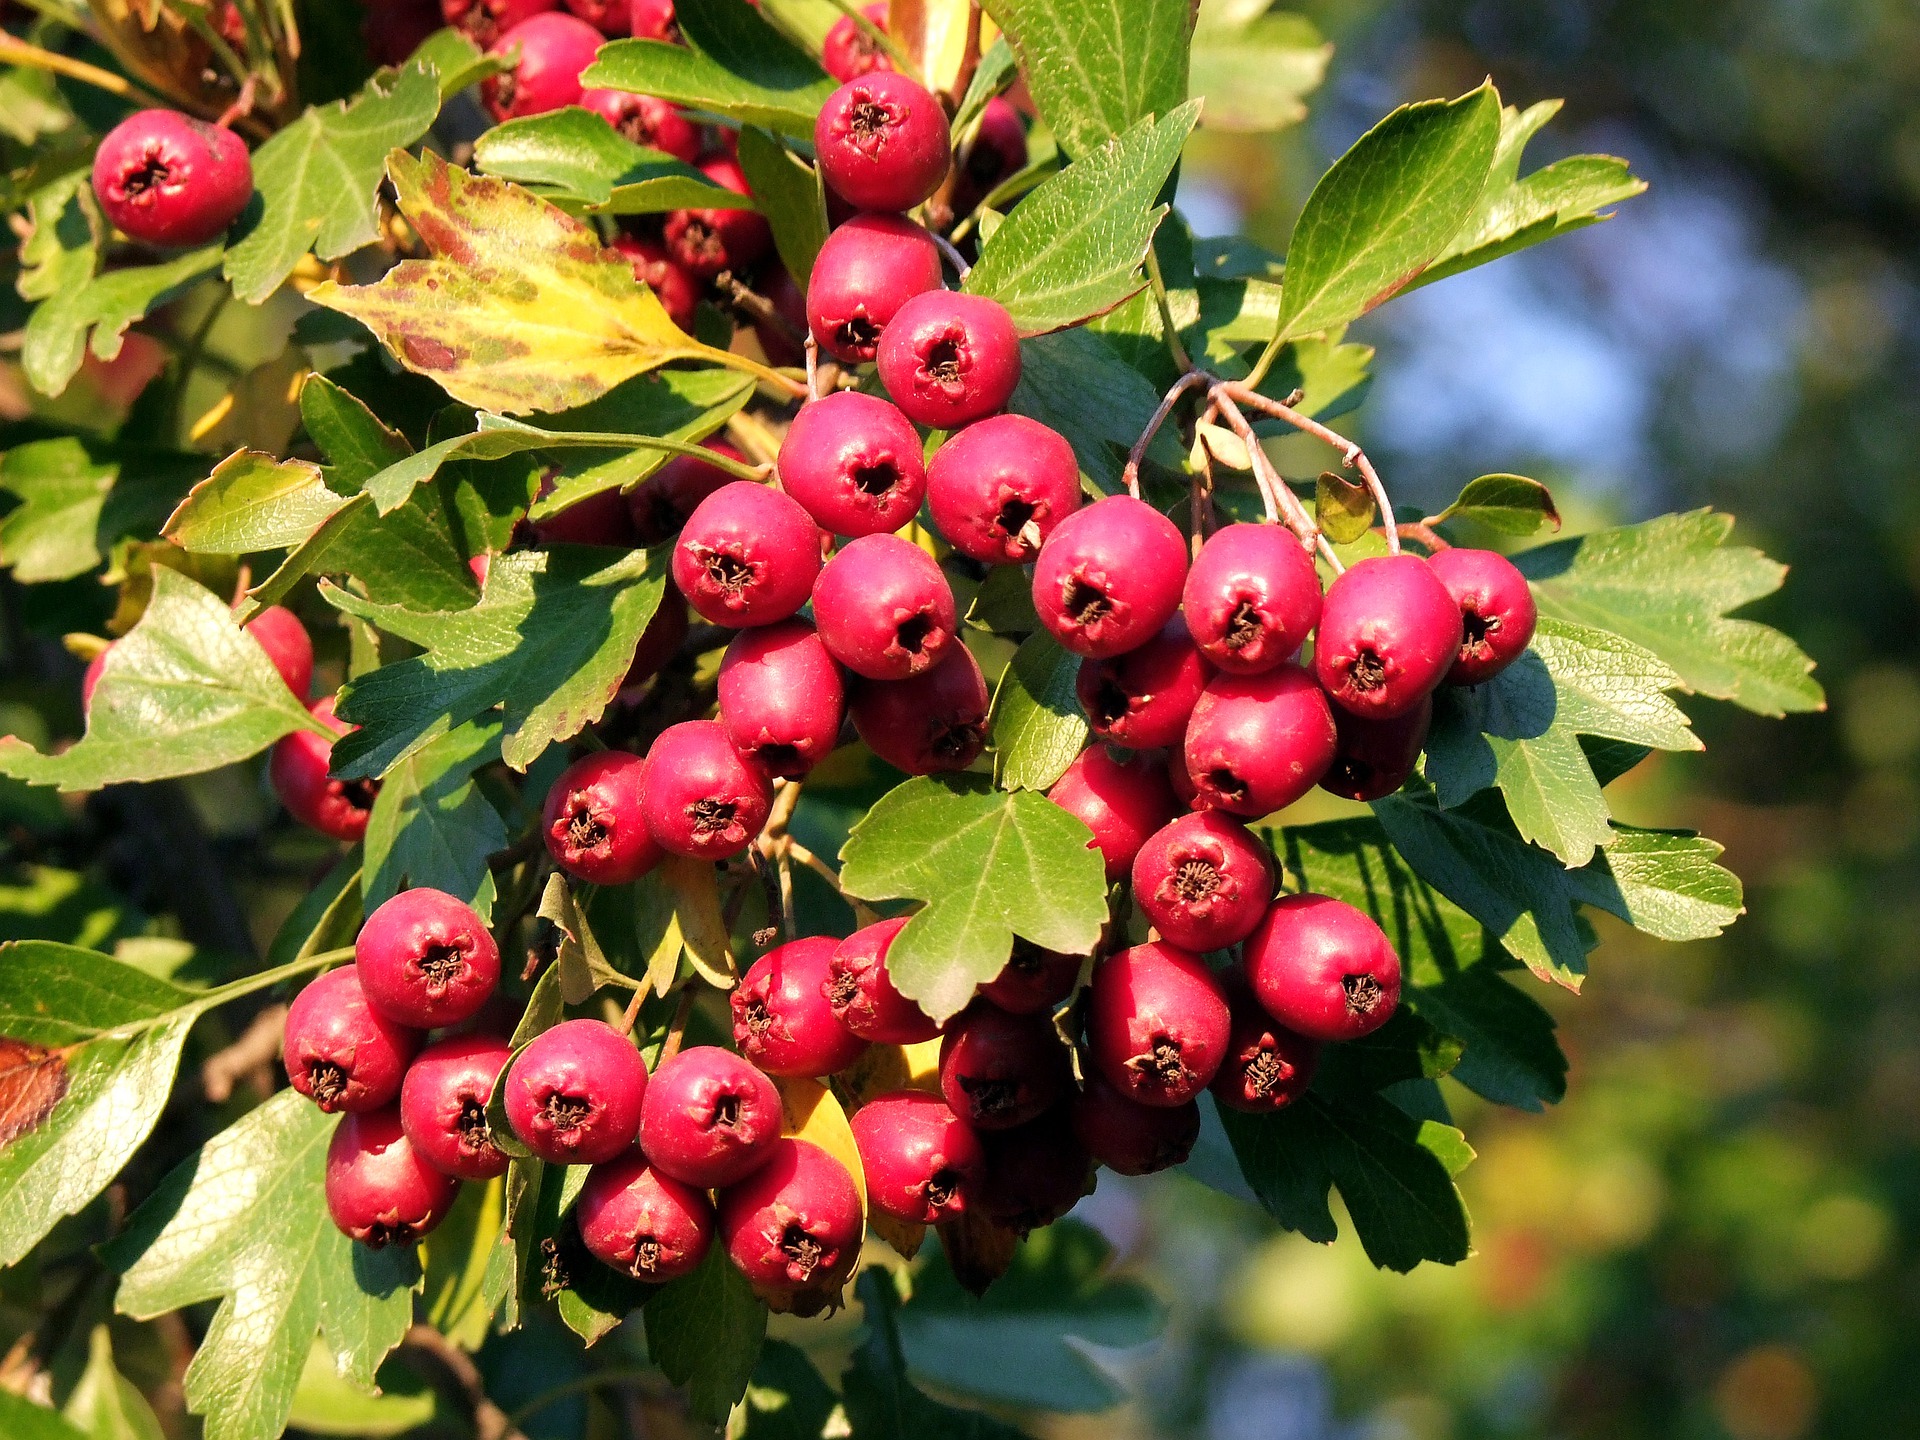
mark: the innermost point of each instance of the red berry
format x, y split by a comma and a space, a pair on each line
922, 1161
592, 820
884, 609
641, 1222
340, 1052
708, 241
1323, 968
660, 642
1109, 577
661, 504
596, 519
710, 1118
380, 1190
867, 270
443, 1105
748, 556
1373, 758
1142, 697
1496, 610
782, 337
1257, 743
482, 21
1156, 1023
782, 1019
862, 993
1036, 1172
426, 960
288, 646
1178, 777
998, 152
554, 48
168, 179
676, 290
998, 488
853, 461
781, 697
391, 32
948, 359
1122, 802
847, 53
1203, 882
935, 721
609, 17
698, 796
1131, 1138
1389, 632
298, 773
1252, 597
652, 20
1033, 980
1268, 1066
882, 142
795, 1222
647, 120
574, 1094
999, 1070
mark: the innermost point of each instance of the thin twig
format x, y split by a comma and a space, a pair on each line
677, 1027
1131, 474
490, 1422
256, 1048
625, 1023
757, 307
954, 257
1172, 331
813, 368
1200, 486
15, 51
1352, 456
1422, 532
1281, 502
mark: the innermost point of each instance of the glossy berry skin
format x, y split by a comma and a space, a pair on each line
609, 17
1257, 743
592, 820
1131, 1138
1268, 1066
847, 53
998, 152
710, 1118
882, 142
921, 1160
641, 1222
884, 609
1252, 598
1373, 758
1389, 632
661, 505
554, 48
1322, 968
443, 1105
167, 179
671, 283
288, 646
863, 996
1109, 577
794, 1224
867, 270
1497, 611
782, 1019
426, 960
1033, 980
781, 697
380, 1190
1036, 1172
948, 359
1122, 802
574, 1095
1142, 697
652, 20
708, 241
340, 1052
853, 461
1203, 881
482, 21
748, 556
1156, 1023
298, 772
999, 1070
646, 120
699, 797
935, 721
998, 488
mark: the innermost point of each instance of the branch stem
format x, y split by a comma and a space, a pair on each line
1351, 455
1131, 474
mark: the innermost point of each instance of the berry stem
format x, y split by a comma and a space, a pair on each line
954, 258
1200, 486
1167, 327
756, 306
755, 473
1273, 489
813, 368
791, 387
1352, 456
677, 1027
1131, 474
1422, 532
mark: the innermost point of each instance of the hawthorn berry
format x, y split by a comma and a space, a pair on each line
710, 240
443, 1105
948, 358
1268, 1066
575, 1092
935, 721
642, 1222
340, 1052
652, 20
1203, 881
1142, 697
862, 993
380, 1190
425, 959
391, 32
882, 142
782, 1019
592, 820
709, 1117
848, 52
868, 269
747, 556
1251, 598
783, 332
1109, 577
298, 769
1257, 743
554, 48
795, 1223
280, 633
999, 1070
654, 266
1322, 968
1497, 611
661, 505
1121, 801
660, 642
482, 21
997, 152
1373, 758
1128, 1137
1036, 1172
853, 461
167, 179
596, 519
998, 488
698, 796
1389, 632
1033, 980
646, 120
884, 609
1156, 1023
609, 17
922, 1161
781, 697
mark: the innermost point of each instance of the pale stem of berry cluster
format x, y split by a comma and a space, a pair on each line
1131, 474
1352, 456
954, 258
813, 368
1272, 487
1200, 488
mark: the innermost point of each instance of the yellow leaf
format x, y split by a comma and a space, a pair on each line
809, 1112
703, 929
934, 33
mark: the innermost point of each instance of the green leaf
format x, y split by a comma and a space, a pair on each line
21, 1419
244, 1221
989, 866
881, 1403
1342, 509
1667, 585
456, 60
56, 338
1004, 602
1407, 1048
1504, 504
431, 826
105, 1405
78, 498
357, 444
326, 1404
579, 154
1074, 247
1094, 67
62, 250
995, 72
1663, 882
1387, 209
1074, 382
252, 502
318, 177
789, 193
455, 1298
1038, 725
581, 963
1256, 77
786, 1399
704, 1331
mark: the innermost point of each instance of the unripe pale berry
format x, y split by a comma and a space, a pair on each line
748, 556
1122, 802
1373, 758
853, 461
641, 1222
443, 1105
1497, 611
867, 270
999, 1070
1251, 598
1142, 697
1203, 881
380, 1190
554, 48
298, 772
1033, 980
288, 646
1322, 968
782, 1019
592, 820
1257, 743
671, 283
922, 1161
708, 241
948, 359
1131, 1138
710, 1118
781, 697
1036, 1172
1156, 1023
882, 142
998, 488
482, 21
794, 1224
575, 1092
1109, 577
426, 960
661, 505
167, 179
646, 120
847, 53
935, 721
884, 609
863, 996
1389, 632
698, 796
1268, 1066
340, 1052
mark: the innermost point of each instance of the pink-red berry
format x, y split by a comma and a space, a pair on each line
935, 721
781, 697
1142, 697
592, 820
999, 1070
1121, 801
853, 461
795, 1223
997, 152
380, 1190
848, 52
1389, 632
1257, 743
710, 1118
609, 17
748, 556
647, 120
948, 359
298, 770
1322, 968
1033, 980
698, 796
882, 142
426, 959
1109, 577
670, 281
922, 1161
340, 1052
642, 1222
1156, 1023
575, 1091
554, 48
443, 1105
710, 240
862, 993
884, 609
1036, 1172
867, 270
596, 519
1203, 881
1128, 1137
998, 488
653, 20
167, 179
1268, 1066
661, 505
1373, 758
1251, 598
1497, 611
482, 21
782, 1019
280, 633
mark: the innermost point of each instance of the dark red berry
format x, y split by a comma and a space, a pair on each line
853, 461
997, 152
1142, 697
922, 1161
935, 721
1178, 777
482, 21
642, 1222
575, 1092
426, 960
863, 996
647, 120
654, 266
710, 1118
592, 820
1497, 611
847, 52
1252, 597
167, 179
391, 32
882, 142
1156, 1023
1257, 743
884, 609
1203, 882
999, 1070
554, 48
298, 772
699, 797
659, 642
998, 488
783, 334
748, 556
380, 1190
1373, 758
1131, 1138
781, 697
867, 270
288, 646
340, 1052
1121, 801
1268, 1066
652, 20
609, 17
596, 519
1033, 980
1036, 1172
1323, 968
795, 1223
948, 359
443, 1105
1109, 577
662, 504
708, 241
1389, 632
782, 1019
